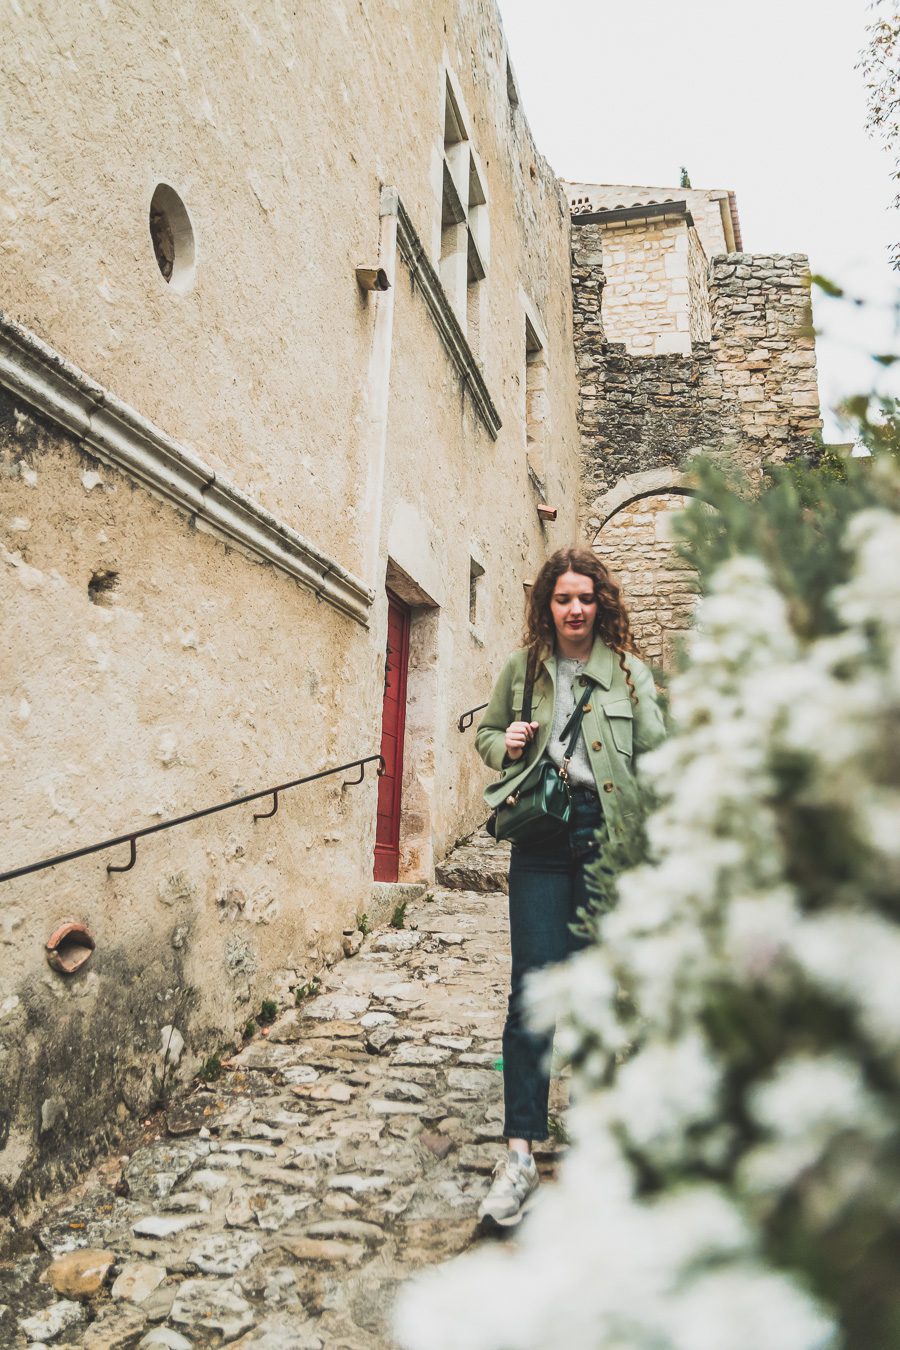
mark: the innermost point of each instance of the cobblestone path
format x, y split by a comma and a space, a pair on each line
282, 1206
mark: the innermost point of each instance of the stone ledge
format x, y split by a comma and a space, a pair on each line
118, 435
445, 321
387, 895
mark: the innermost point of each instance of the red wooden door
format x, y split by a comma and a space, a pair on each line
393, 722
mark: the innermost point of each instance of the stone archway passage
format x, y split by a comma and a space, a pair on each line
635, 540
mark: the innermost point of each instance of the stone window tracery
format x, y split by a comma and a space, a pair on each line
463, 250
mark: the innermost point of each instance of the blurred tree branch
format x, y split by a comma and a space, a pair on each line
880, 66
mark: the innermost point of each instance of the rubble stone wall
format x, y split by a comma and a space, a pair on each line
763, 367
639, 413
747, 394
698, 288
750, 390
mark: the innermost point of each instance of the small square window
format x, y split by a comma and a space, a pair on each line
476, 571
536, 398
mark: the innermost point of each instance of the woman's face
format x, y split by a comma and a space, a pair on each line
573, 606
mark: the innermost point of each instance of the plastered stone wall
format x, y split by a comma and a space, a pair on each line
197, 674
192, 677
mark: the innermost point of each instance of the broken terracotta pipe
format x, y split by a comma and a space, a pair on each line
372, 279
70, 947
546, 512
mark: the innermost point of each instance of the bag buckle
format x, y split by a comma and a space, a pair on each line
512, 799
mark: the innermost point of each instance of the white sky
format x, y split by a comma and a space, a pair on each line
761, 98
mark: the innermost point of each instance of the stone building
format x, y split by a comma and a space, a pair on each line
684, 343
260, 516
288, 361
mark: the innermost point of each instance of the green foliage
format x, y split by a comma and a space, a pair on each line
249, 1028
364, 924
307, 990
556, 1128
880, 66
797, 525
685, 178
398, 918
268, 1010
875, 419
211, 1068
827, 286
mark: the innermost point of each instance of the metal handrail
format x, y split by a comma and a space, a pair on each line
466, 719
133, 835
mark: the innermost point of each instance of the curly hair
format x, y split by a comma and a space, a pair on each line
612, 624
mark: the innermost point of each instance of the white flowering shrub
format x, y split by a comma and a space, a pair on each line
734, 1177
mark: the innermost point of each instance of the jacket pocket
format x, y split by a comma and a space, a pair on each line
620, 716
518, 698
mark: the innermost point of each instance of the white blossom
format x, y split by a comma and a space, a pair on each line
721, 907
856, 958
812, 1097
746, 1307
659, 1093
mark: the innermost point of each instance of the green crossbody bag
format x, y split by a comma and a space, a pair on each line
540, 810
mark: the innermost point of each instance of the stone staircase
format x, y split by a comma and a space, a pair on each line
282, 1206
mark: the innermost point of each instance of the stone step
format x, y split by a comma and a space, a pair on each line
479, 863
345, 1146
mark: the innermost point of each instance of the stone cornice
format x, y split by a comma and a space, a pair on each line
445, 321
116, 434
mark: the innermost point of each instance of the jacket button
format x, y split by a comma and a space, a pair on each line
587, 708
596, 745
609, 787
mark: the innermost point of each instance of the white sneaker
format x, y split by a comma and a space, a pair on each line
515, 1182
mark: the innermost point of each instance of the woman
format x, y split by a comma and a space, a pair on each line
577, 635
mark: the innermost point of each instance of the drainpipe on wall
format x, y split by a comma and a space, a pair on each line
378, 388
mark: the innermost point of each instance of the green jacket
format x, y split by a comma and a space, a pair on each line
615, 728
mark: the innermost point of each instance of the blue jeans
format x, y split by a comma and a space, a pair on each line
546, 890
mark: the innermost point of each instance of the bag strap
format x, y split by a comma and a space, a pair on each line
530, 677
573, 725
573, 730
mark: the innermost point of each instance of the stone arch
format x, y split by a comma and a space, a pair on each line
631, 533
631, 488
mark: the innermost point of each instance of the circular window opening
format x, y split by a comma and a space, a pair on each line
173, 237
